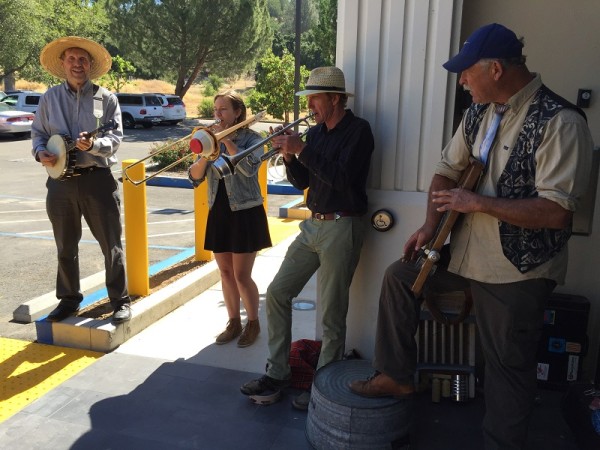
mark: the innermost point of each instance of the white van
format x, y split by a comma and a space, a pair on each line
173, 108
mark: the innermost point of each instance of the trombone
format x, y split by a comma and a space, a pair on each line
225, 164
203, 141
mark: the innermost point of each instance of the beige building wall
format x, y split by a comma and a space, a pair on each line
391, 52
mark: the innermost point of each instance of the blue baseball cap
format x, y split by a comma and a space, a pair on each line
490, 41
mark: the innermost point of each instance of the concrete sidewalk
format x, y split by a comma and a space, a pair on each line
170, 387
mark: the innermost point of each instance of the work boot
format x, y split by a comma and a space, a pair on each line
249, 334
233, 330
264, 385
302, 401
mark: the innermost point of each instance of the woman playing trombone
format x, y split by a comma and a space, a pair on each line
237, 223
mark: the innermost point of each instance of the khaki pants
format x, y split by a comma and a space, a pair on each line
509, 321
333, 247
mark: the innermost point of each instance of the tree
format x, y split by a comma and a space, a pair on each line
287, 19
325, 31
27, 25
317, 42
274, 91
18, 41
184, 37
119, 74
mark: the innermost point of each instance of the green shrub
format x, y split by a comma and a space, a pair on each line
174, 150
209, 91
206, 108
212, 86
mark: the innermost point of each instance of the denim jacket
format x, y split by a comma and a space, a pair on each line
242, 187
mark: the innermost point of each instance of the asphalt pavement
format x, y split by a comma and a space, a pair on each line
27, 248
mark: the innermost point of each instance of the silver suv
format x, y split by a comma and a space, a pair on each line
22, 100
143, 109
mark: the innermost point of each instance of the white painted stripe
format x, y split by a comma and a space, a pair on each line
170, 234
19, 211
22, 221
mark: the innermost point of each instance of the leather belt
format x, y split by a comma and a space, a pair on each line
83, 170
334, 215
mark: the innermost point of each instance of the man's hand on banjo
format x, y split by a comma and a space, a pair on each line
85, 142
47, 158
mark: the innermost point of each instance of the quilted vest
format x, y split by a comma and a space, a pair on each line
525, 248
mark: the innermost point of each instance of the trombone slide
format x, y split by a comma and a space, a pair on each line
226, 164
203, 141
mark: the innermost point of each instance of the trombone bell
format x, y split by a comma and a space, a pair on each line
204, 143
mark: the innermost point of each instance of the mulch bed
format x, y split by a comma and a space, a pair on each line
103, 310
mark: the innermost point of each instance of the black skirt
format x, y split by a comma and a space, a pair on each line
228, 231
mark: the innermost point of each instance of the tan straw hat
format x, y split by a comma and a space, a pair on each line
325, 79
51, 53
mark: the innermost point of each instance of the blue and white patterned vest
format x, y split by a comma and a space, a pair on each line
525, 248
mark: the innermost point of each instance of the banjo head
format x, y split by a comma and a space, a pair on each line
58, 145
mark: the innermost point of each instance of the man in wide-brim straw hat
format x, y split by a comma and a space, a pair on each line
333, 163
83, 185
52, 56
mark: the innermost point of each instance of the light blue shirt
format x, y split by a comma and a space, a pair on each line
66, 112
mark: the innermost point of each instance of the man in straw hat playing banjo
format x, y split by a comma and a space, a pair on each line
85, 185
333, 163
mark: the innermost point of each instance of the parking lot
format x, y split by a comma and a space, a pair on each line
27, 249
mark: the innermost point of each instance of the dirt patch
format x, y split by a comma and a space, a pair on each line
103, 310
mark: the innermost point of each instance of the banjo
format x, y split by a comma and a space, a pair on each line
430, 255
64, 148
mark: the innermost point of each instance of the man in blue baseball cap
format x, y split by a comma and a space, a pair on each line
490, 41
510, 248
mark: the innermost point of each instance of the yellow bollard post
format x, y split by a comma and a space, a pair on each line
262, 181
200, 216
136, 230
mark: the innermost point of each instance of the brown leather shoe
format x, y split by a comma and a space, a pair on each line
381, 385
249, 334
233, 330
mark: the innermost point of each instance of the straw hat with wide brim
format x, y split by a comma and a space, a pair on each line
51, 53
325, 79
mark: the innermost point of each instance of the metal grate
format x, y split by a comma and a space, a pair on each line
447, 349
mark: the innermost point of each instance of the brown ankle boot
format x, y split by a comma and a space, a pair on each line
233, 330
249, 334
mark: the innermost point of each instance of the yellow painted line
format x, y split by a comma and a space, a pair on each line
29, 370
282, 228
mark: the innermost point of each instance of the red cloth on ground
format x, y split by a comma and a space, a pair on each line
304, 356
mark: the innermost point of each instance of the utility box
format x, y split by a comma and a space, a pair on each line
564, 341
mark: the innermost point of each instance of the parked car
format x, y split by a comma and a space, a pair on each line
13, 121
173, 108
143, 109
22, 100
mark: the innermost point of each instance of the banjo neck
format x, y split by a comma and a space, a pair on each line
110, 125
431, 254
